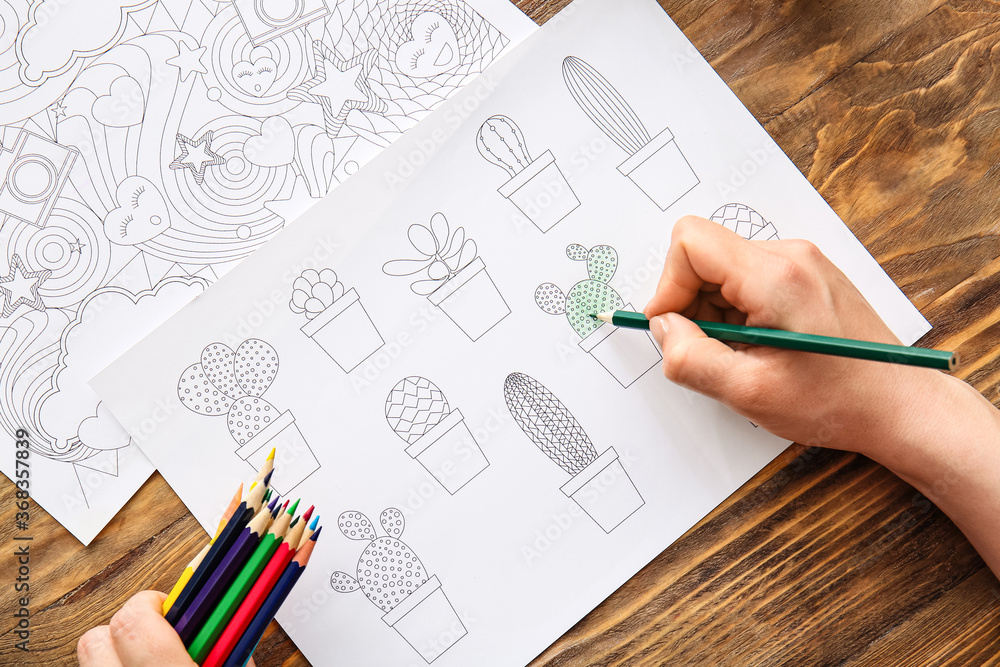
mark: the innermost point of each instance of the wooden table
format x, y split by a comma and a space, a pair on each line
892, 110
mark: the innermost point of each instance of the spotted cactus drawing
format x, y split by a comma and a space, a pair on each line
315, 291
588, 297
392, 577
388, 570
231, 383
500, 141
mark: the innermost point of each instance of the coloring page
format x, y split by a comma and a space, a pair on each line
491, 462
148, 146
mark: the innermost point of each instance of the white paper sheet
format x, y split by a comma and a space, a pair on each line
149, 146
536, 465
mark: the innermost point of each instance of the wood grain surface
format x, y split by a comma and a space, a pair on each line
892, 111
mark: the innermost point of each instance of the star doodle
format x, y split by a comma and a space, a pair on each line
196, 155
340, 86
188, 60
77, 246
21, 286
58, 108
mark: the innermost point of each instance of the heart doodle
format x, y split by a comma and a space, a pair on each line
257, 74
274, 146
432, 50
123, 106
141, 214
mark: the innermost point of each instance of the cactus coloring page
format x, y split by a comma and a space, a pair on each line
147, 146
496, 462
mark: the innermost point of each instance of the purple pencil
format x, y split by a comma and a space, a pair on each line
217, 584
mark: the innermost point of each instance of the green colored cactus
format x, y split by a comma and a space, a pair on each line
388, 570
588, 297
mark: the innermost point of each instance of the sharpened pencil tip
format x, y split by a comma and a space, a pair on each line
270, 457
291, 510
315, 536
267, 480
314, 523
308, 513
604, 317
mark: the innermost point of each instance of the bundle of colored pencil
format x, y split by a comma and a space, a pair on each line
230, 592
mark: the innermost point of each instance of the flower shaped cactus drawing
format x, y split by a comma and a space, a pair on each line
598, 483
336, 320
231, 384
627, 355
392, 577
536, 186
655, 163
452, 276
436, 435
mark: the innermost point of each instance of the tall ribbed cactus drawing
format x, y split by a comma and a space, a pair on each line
394, 580
588, 297
336, 320
599, 483
231, 383
536, 186
655, 163
547, 422
436, 435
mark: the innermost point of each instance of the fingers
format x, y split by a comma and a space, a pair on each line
94, 649
141, 636
693, 360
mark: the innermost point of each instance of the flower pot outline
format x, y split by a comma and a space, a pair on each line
660, 170
441, 450
605, 491
471, 300
624, 354
427, 620
541, 192
294, 460
345, 332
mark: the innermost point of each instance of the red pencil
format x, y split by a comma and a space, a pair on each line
258, 593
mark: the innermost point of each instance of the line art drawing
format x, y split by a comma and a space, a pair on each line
745, 221
436, 435
599, 483
337, 320
452, 276
627, 355
393, 578
536, 186
144, 142
655, 164
230, 384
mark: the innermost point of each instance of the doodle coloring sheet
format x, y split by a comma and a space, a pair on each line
490, 462
148, 146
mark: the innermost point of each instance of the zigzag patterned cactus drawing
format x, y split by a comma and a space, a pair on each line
501, 142
547, 422
604, 105
388, 570
415, 406
588, 297
231, 383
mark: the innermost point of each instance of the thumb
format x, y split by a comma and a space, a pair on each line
693, 360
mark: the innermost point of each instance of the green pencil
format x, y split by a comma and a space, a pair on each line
224, 611
790, 340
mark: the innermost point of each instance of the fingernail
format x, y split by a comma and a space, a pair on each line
658, 327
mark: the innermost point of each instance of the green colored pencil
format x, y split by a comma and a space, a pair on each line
229, 602
790, 340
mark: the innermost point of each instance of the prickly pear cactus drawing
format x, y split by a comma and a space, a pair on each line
548, 423
315, 291
745, 221
588, 297
415, 406
501, 142
388, 571
604, 105
231, 383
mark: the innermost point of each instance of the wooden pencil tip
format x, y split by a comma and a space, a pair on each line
314, 523
308, 513
315, 536
291, 510
604, 317
270, 457
267, 480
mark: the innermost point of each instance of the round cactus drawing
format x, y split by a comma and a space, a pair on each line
547, 422
315, 291
415, 406
587, 298
388, 571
